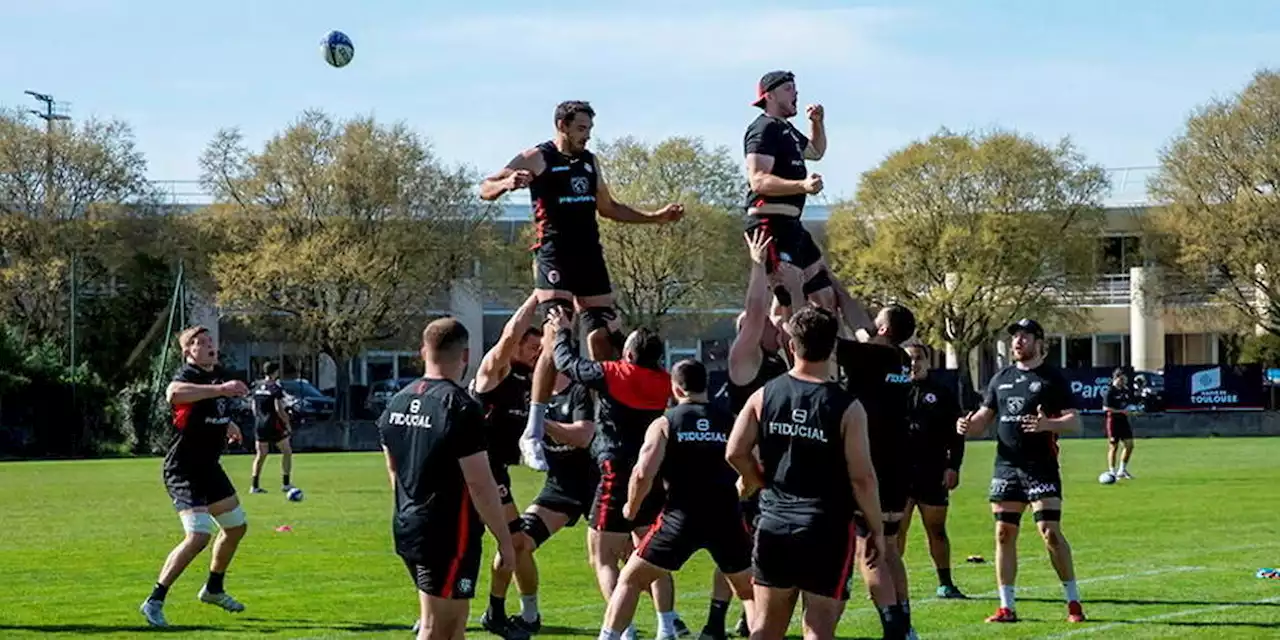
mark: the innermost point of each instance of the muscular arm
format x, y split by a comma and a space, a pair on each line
862, 475
765, 183
391, 467
651, 455
529, 160
619, 212
578, 369
740, 452
817, 140
496, 363
575, 434
1067, 422
744, 353
484, 494
855, 313
979, 421
187, 392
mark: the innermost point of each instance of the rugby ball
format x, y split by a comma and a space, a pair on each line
337, 48
295, 494
1107, 478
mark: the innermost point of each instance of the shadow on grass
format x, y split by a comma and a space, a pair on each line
105, 628
1144, 603
254, 626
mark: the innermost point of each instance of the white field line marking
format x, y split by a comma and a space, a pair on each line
1163, 616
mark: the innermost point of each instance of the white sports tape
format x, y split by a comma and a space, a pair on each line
197, 522
231, 519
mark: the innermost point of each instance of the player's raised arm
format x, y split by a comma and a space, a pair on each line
651, 454
496, 363
854, 312
740, 451
568, 362
761, 142
181, 392
518, 173
744, 353
817, 133
619, 212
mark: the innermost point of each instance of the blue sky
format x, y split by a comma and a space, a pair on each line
481, 79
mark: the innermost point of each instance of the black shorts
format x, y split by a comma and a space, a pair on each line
580, 270
677, 534
817, 558
448, 571
924, 486
893, 483
1118, 427
611, 497
503, 477
197, 486
571, 497
1016, 484
750, 512
271, 431
791, 241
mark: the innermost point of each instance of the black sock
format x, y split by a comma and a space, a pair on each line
255, 482
893, 620
906, 613
497, 608
286, 479
214, 584
158, 592
716, 614
944, 578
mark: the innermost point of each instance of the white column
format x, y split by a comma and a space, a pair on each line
204, 313
465, 305
952, 358
1146, 324
1002, 353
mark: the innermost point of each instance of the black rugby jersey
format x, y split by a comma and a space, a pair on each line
1014, 393
506, 411
265, 394
564, 198
932, 441
879, 376
778, 138
698, 478
1116, 398
802, 448
426, 428
566, 462
200, 427
771, 366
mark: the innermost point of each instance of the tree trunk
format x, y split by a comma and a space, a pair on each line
964, 377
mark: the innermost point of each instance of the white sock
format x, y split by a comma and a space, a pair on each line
1121, 467
630, 631
533, 427
529, 608
609, 634
1006, 596
1071, 590
667, 623
1112, 470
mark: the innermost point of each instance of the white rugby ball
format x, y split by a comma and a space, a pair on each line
337, 48
294, 495
1107, 478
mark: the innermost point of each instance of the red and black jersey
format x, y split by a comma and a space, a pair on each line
630, 398
564, 198
200, 428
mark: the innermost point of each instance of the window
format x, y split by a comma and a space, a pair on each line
1053, 353
1111, 351
1119, 253
1079, 352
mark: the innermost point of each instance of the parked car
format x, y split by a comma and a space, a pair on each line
305, 402
381, 392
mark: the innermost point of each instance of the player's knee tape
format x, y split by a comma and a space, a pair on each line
1047, 515
535, 528
198, 522
598, 317
820, 280
1009, 517
544, 308
892, 528
515, 526
232, 519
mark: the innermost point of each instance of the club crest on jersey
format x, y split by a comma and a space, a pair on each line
1035, 386
589, 168
553, 276
930, 398
1015, 404
579, 184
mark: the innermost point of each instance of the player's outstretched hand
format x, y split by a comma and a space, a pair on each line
557, 319
519, 179
233, 389
962, 425
813, 184
758, 243
815, 113
630, 510
506, 556
233, 434
951, 479
1038, 423
670, 213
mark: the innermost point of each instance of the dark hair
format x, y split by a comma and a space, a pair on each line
924, 348
446, 337
648, 347
270, 369
899, 322
690, 375
814, 331
189, 335
569, 109
1119, 372
534, 331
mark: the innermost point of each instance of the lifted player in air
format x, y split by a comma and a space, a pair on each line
201, 491
433, 436
271, 426
502, 385
878, 373
935, 453
1031, 404
814, 467
1119, 432
568, 190
779, 180
686, 448
631, 394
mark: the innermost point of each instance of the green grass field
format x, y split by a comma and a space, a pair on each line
1171, 554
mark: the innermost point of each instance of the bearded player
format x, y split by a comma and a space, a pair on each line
567, 189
